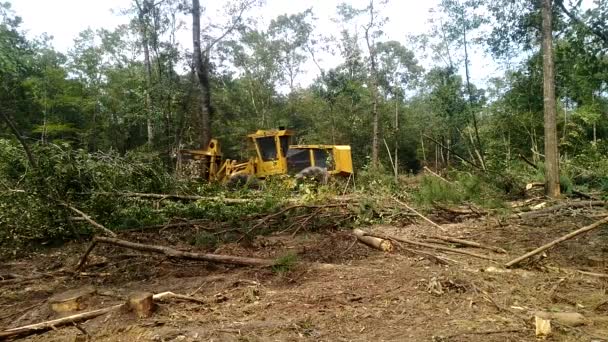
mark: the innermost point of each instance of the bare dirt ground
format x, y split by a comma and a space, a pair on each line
344, 292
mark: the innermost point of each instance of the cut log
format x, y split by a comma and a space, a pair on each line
557, 241
174, 253
427, 245
543, 326
572, 319
142, 303
374, 242
72, 300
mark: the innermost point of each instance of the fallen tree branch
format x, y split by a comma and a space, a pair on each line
52, 324
436, 175
553, 209
557, 241
469, 243
90, 220
169, 295
174, 253
427, 245
527, 161
167, 226
419, 214
182, 197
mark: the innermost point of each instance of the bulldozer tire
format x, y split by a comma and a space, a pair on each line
242, 180
315, 173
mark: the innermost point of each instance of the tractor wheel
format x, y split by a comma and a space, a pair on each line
315, 173
241, 180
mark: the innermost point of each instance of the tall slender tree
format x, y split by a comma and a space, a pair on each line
551, 153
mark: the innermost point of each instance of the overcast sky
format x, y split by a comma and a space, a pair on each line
64, 19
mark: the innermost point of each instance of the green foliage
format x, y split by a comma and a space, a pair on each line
205, 240
285, 263
466, 187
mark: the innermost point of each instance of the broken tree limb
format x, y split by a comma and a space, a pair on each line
436, 175
555, 208
527, 161
48, 325
169, 295
427, 245
374, 242
469, 243
419, 214
90, 220
181, 197
174, 253
557, 241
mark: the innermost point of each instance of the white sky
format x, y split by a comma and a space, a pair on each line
64, 19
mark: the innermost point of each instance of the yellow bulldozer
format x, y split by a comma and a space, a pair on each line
273, 155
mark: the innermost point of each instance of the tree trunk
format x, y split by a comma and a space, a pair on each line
144, 9
479, 148
551, 153
201, 66
374, 89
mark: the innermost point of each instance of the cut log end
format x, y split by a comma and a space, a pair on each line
142, 304
374, 242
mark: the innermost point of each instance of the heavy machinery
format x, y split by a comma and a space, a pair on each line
273, 155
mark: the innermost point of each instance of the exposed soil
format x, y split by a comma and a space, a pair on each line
344, 291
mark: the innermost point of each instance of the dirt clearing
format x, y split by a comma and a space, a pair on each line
335, 290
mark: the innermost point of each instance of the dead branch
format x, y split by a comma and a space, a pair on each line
90, 220
174, 253
469, 243
181, 197
170, 295
437, 259
557, 241
527, 161
459, 211
168, 226
374, 242
436, 175
555, 208
427, 245
419, 214
44, 326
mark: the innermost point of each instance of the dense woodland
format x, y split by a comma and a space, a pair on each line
110, 113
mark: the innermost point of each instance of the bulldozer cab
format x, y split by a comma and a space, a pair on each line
336, 159
271, 148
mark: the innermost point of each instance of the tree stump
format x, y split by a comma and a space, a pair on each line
142, 303
72, 300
